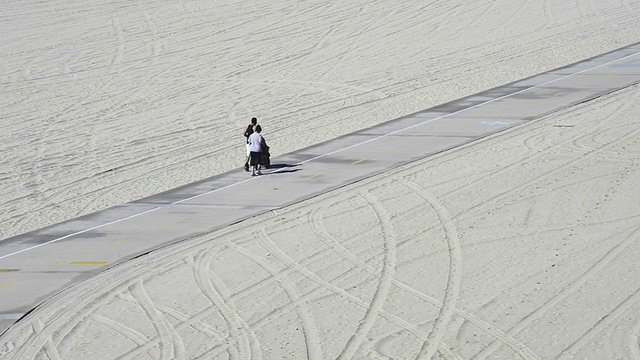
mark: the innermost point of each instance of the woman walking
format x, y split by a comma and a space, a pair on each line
256, 142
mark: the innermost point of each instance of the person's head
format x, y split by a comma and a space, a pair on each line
258, 129
254, 121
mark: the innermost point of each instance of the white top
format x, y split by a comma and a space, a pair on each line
255, 142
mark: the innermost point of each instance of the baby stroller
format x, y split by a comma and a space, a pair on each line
266, 157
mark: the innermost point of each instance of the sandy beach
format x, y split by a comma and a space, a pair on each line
105, 102
521, 245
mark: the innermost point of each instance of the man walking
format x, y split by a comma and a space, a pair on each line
247, 132
255, 151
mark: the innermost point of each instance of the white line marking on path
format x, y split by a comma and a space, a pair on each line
334, 152
77, 233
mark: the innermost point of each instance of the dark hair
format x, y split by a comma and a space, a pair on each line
258, 128
254, 121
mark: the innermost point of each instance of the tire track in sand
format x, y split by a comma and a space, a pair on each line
203, 327
50, 348
328, 286
476, 208
185, 321
128, 333
618, 311
170, 343
570, 288
241, 335
374, 309
319, 229
63, 325
310, 331
455, 272
386, 277
634, 341
240, 332
76, 324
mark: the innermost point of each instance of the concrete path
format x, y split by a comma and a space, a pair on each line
38, 264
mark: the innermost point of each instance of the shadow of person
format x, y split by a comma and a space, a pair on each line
276, 172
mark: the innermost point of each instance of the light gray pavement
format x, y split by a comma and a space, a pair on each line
36, 265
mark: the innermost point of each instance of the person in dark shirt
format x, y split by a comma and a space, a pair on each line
247, 132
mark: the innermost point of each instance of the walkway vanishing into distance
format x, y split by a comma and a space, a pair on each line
36, 265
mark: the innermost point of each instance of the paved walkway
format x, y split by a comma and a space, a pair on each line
38, 264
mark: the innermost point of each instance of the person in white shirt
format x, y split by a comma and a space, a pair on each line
255, 151
247, 132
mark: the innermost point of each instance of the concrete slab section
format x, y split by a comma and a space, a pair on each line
36, 265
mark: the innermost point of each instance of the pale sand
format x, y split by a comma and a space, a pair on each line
519, 245
106, 102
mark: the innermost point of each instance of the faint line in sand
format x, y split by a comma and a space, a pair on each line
386, 277
618, 311
455, 272
634, 340
310, 330
239, 331
325, 285
423, 123
195, 322
71, 319
570, 288
198, 322
66, 325
156, 48
319, 229
189, 321
347, 147
467, 108
119, 51
128, 333
49, 347
478, 207
170, 342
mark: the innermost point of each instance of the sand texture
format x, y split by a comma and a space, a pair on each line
521, 245
106, 102
530, 254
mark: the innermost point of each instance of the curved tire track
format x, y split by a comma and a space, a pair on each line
455, 272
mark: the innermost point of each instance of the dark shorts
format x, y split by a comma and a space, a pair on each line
256, 158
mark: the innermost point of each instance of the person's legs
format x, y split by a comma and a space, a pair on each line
246, 163
254, 163
259, 162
